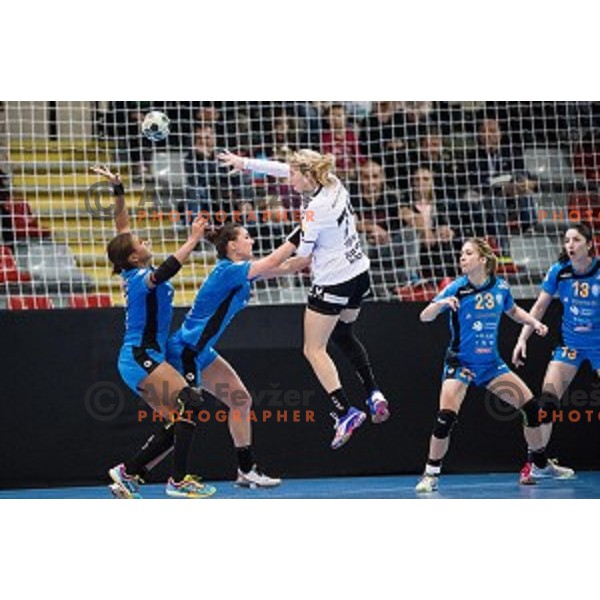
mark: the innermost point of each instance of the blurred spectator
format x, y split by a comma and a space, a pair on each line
210, 187
284, 139
391, 246
429, 216
358, 110
381, 140
499, 185
448, 179
341, 141
586, 158
415, 119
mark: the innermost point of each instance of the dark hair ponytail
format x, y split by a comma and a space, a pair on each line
583, 230
221, 236
119, 250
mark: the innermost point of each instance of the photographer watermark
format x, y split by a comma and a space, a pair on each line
496, 404
225, 416
576, 406
104, 401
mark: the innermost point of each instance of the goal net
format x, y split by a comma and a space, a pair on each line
423, 177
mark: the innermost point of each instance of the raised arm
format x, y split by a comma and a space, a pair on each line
265, 167
172, 264
121, 215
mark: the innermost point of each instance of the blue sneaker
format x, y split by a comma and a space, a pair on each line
125, 486
190, 487
378, 407
344, 426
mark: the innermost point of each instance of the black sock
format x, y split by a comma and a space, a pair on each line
344, 338
157, 444
340, 402
184, 434
245, 458
538, 458
365, 374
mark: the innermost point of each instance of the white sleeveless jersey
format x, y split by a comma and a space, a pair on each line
329, 233
329, 236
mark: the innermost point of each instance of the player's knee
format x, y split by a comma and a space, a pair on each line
548, 402
531, 413
241, 401
312, 352
444, 423
342, 333
189, 400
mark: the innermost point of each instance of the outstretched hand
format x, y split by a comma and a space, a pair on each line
198, 226
231, 160
104, 171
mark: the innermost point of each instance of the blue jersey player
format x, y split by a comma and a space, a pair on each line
223, 295
142, 359
475, 304
575, 281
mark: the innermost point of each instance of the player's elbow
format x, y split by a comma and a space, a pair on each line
426, 316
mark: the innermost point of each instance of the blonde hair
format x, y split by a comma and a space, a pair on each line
484, 250
318, 166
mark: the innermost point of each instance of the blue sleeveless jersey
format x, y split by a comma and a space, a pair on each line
225, 292
579, 294
148, 311
474, 326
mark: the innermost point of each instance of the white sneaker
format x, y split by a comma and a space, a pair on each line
552, 469
129, 484
255, 479
118, 492
427, 484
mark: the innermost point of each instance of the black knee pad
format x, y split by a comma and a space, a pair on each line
531, 413
189, 399
444, 423
549, 402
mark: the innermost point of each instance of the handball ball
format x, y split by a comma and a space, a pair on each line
155, 126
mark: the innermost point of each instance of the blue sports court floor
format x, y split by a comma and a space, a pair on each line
504, 485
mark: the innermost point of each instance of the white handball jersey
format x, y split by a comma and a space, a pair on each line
329, 233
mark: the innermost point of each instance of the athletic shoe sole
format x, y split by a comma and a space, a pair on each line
381, 414
357, 422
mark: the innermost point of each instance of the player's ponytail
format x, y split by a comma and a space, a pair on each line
586, 232
119, 250
221, 236
319, 166
484, 250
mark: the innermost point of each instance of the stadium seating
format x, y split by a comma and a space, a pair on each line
24, 224
29, 303
549, 164
534, 253
582, 202
9, 271
418, 292
90, 301
50, 262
